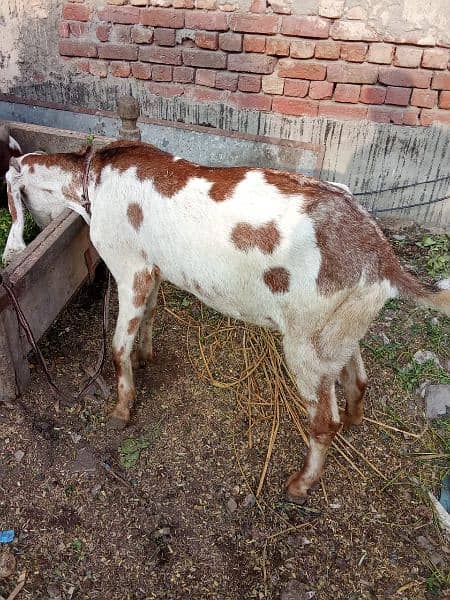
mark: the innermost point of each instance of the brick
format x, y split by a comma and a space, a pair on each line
162, 17
389, 114
194, 57
167, 90
356, 12
353, 51
441, 81
327, 49
352, 73
356, 31
296, 87
333, 9
252, 63
282, 7
251, 101
435, 58
118, 51
63, 30
308, 26
183, 3
210, 21
444, 100
427, 116
116, 2
407, 56
205, 4
168, 56
204, 94
424, 98
120, 69
295, 106
347, 92
398, 95
254, 43
320, 90
228, 6
271, 84
77, 48
209, 40
277, 46
77, 29
164, 36
205, 77
381, 54
254, 23
162, 73
343, 111
82, 66
121, 34
372, 94
102, 32
298, 69
411, 116
230, 42
227, 81
258, 6
141, 34
99, 68
302, 49
404, 77
144, 2
141, 70
418, 38
249, 83
183, 74
76, 12
127, 15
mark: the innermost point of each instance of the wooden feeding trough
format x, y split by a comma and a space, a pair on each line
55, 264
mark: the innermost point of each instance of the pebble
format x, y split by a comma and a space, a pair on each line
7, 564
19, 455
96, 489
295, 590
231, 505
437, 400
249, 501
423, 356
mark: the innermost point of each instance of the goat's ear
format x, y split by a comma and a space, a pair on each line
4, 133
14, 163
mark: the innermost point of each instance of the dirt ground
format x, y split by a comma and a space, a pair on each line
181, 520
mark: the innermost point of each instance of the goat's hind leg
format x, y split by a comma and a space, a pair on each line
133, 290
143, 352
353, 378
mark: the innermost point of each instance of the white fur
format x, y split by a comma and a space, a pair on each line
14, 145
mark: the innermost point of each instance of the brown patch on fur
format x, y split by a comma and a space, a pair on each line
277, 279
168, 176
133, 324
141, 286
71, 162
117, 360
135, 215
265, 237
323, 428
70, 191
11, 205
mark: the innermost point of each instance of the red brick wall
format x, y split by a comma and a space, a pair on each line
265, 59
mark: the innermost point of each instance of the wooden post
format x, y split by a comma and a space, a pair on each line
129, 111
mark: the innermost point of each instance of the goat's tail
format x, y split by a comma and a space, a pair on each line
408, 286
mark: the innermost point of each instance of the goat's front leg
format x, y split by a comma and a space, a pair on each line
324, 424
133, 295
15, 242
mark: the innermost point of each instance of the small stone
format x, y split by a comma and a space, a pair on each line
235, 491
85, 462
335, 505
231, 505
249, 501
19, 455
7, 564
75, 437
295, 590
385, 339
96, 489
53, 591
423, 356
399, 238
437, 400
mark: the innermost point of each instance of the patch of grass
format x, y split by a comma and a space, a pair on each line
30, 230
130, 451
438, 581
438, 256
413, 374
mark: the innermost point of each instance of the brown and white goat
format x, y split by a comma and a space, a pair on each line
271, 248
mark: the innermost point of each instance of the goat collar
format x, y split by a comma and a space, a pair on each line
85, 202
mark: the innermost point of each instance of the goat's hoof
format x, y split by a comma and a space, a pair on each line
300, 500
348, 420
116, 423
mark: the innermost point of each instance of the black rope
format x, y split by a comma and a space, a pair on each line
401, 187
